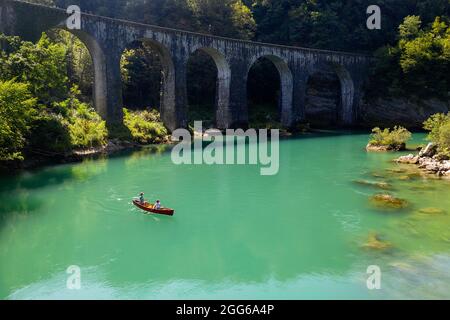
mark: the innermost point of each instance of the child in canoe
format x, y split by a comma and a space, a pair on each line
141, 198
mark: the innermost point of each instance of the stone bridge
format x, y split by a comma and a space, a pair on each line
107, 38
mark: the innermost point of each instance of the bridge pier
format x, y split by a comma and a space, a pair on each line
173, 101
300, 81
108, 89
237, 114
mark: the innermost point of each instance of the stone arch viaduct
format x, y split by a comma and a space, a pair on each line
107, 38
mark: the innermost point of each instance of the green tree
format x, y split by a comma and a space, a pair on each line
438, 126
41, 65
419, 64
17, 109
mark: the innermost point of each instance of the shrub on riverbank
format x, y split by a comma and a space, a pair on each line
439, 127
86, 128
17, 109
48, 135
145, 126
388, 139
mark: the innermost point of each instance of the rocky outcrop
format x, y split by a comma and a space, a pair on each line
378, 148
112, 146
411, 114
429, 161
409, 159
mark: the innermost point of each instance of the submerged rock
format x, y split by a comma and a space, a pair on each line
432, 211
410, 176
422, 188
397, 170
387, 201
374, 184
374, 242
378, 175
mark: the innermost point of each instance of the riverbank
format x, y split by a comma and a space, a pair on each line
429, 161
38, 158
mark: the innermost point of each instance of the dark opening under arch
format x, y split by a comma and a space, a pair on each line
269, 92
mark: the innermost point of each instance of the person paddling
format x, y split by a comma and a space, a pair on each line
157, 205
141, 198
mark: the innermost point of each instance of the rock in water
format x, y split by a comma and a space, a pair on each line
374, 184
375, 243
432, 211
388, 202
428, 151
409, 159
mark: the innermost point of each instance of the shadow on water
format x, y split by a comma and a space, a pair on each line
33, 181
13, 206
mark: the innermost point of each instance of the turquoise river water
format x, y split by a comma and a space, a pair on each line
306, 233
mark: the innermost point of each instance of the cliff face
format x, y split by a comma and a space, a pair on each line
388, 112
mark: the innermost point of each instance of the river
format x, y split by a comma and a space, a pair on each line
301, 234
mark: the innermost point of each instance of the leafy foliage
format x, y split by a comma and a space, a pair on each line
390, 138
80, 69
49, 135
141, 69
42, 66
17, 109
419, 64
439, 127
38, 113
145, 126
86, 128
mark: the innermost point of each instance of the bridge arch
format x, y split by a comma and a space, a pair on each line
99, 64
166, 83
347, 94
285, 101
99, 90
330, 95
222, 81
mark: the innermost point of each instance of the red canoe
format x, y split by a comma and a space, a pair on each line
149, 208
